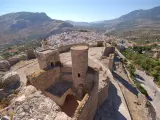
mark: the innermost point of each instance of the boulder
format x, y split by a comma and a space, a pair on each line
4, 65
11, 80
14, 60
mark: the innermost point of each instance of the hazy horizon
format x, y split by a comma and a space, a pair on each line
79, 11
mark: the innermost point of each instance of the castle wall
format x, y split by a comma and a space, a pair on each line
92, 44
59, 100
42, 64
87, 108
66, 69
67, 47
111, 61
108, 50
90, 81
66, 77
52, 59
66, 73
100, 43
48, 58
30, 54
103, 95
44, 79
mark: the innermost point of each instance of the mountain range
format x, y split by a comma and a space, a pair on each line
28, 25
145, 20
137, 17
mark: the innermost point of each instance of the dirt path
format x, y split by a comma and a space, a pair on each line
153, 91
22, 66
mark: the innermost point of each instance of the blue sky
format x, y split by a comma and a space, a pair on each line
78, 10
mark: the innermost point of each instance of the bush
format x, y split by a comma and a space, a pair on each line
151, 66
125, 61
132, 70
23, 57
6, 55
141, 89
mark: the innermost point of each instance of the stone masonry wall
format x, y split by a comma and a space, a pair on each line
59, 100
30, 54
88, 111
108, 50
44, 79
48, 58
67, 47
111, 60
66, 69
66, 77
103, 95
66, 73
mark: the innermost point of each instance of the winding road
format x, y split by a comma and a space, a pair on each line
152, 89
147, 82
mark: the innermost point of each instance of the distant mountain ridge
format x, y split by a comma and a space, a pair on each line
138, 19
23, 26
28, 25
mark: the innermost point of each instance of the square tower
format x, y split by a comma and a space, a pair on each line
48, 58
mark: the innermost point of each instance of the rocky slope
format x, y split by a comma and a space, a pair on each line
26, 26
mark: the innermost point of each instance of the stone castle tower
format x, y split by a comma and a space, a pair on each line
47, 57
79, 55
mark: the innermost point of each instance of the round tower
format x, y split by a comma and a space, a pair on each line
79, 56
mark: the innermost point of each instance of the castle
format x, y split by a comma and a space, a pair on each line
76, 85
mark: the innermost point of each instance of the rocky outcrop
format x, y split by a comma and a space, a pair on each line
32, 105
4, 65
11, 80
10, 77
14, 60
9, 84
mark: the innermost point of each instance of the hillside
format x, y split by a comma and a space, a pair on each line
26, 26
135, 21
